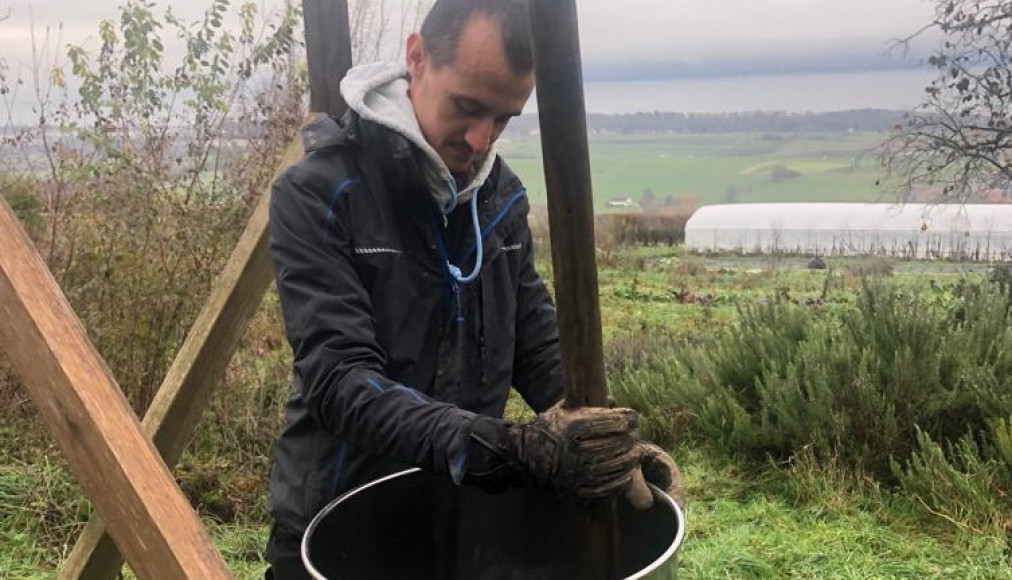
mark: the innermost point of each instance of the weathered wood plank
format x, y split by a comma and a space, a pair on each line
118, 467
571, 219
172, 418
570, 199
328, 50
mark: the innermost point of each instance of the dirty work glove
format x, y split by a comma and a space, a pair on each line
657, 468
586, 453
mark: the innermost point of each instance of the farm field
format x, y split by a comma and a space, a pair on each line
720, 168
799, 519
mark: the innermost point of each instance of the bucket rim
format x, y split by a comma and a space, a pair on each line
659, 494
676, 543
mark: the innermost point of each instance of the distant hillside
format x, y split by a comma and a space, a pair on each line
688, 169
861, 120
872, 57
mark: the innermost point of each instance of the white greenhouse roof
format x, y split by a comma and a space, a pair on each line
973, 231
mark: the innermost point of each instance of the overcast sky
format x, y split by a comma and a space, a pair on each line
622, 40
611, 30
694, 29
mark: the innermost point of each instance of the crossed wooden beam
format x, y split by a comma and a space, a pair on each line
122, 462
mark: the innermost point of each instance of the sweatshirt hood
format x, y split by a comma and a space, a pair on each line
378, 92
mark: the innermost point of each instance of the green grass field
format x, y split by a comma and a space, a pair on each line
719, 168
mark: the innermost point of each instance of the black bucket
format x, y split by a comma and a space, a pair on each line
413, 526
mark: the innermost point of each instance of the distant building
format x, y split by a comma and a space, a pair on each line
620, 202
981, 232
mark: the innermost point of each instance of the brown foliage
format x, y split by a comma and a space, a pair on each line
639, 229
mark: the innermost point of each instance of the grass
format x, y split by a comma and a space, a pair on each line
772, 523
660, 289
757, 525
719, 168
801, 520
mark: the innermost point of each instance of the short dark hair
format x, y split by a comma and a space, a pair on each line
447, 19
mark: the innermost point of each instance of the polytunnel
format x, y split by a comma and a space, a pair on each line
980, 232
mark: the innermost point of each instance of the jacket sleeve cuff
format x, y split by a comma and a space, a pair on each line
489, 456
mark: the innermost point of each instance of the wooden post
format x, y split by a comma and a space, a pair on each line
328, 49
574, 255
570, 199
173, 415
119, 468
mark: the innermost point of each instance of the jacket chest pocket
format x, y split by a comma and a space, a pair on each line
403, 293
378, 263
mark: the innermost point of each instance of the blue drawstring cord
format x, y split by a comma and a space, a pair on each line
454, 270
479, 236
521, 192
454, 277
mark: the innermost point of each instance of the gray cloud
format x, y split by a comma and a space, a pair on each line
610, 30
620, 39
698, 29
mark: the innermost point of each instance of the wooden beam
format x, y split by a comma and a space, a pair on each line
571, 219
172, 418
570, 198
328, 49
118, 467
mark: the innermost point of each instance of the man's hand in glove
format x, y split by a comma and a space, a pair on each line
586, 453
658, 468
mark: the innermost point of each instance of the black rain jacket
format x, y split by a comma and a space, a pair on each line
394, 359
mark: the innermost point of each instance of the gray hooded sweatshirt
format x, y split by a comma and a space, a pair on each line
378, 92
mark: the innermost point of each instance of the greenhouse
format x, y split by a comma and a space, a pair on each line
979, 232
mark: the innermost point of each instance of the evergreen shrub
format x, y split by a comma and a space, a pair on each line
912, 388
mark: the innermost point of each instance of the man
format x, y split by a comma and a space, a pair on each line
406, 276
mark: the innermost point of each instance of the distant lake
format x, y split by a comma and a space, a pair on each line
794, 93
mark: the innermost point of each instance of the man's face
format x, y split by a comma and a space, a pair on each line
463, 106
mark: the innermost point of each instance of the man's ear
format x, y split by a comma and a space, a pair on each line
416, 54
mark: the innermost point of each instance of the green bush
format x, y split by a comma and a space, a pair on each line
153, 169
24, 201
965, 482
912, 389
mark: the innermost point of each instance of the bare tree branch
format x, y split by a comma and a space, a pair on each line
960, 137
379, 27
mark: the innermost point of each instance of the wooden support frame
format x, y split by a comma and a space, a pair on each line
175, 412
119, 468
